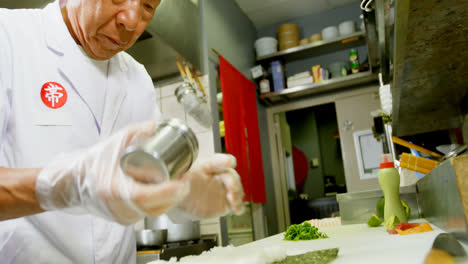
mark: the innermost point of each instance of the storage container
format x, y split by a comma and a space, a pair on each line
330, 33
346, 28
278, 75
265, 46
288, 28
315, 37
288, 36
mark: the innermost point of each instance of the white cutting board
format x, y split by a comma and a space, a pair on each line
361, 244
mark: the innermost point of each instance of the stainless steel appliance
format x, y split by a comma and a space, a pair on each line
176, 232
176, 249
151, 238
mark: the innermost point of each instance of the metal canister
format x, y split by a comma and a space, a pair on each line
167, 154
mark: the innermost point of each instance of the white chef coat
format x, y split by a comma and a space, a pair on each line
36, 48
98, 82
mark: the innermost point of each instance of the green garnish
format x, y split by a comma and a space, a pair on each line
374, 221
304, 231
391, 222
316, 257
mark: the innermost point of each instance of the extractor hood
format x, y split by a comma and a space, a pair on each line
174, 30
430, 88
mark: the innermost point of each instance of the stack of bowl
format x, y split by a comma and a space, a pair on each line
265, 46
288, 36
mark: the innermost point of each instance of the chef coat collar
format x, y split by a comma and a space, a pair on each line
58, 37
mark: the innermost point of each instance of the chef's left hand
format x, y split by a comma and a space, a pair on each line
215, 188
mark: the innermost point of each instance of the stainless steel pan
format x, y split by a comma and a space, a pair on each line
151, 238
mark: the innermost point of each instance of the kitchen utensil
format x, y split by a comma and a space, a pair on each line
346, 27
367, 5
457, 151
168, 153
444, 248
265, 46
386, 100
418, 164
181, 69
150, 237
405, 143
330, 33
199, 84
196, 106
188, 230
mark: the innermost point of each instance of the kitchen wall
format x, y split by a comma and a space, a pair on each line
229, 31
170, 108
312, 24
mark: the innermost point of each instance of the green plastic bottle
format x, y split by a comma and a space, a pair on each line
389, 181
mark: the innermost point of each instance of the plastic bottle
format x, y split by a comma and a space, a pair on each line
354, 59
389, 181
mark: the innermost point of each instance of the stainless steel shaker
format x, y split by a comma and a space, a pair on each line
167, 154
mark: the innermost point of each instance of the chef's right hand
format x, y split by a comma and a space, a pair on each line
92, 182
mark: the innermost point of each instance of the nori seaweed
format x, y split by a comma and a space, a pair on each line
314, 257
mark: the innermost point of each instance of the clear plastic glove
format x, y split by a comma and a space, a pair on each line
215, 188
92, 182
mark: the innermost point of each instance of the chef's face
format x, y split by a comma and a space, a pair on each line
105, 27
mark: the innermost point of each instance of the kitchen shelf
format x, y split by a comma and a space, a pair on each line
315, 88
317, 48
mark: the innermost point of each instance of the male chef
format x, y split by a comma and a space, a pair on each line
71, 100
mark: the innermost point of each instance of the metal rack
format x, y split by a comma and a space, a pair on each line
317, 48
316, 88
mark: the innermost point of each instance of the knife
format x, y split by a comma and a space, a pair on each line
444, 248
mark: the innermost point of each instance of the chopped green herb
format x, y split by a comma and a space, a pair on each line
314, 257
304, 231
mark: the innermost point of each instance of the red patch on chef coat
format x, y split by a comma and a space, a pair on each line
53, 95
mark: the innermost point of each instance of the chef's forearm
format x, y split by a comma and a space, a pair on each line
18, 193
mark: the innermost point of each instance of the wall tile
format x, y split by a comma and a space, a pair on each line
205, 144
195, 126
169, 90
140, 225
209, 229
172, 109
209, 221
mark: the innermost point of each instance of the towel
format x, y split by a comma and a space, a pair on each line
241, 129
